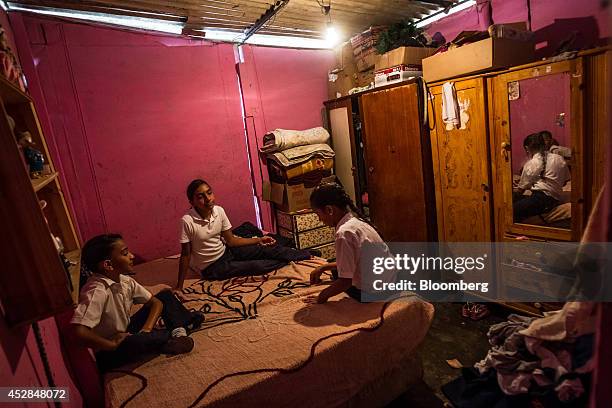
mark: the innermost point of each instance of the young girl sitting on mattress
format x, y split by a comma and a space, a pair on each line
544, 174
209, 247
336, 209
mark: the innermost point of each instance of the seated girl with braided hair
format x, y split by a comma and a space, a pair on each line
336, 209
544, 174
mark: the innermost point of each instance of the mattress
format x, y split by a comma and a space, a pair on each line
262, 345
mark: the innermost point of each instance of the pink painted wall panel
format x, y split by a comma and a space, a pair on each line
512, 11
538, 107
450, 26
551, 20
556, 20
282, 88
136, 117
21, 363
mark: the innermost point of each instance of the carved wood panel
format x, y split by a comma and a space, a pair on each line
461, 166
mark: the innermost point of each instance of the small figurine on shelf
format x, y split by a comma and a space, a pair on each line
9, 64
34, 157
59, 246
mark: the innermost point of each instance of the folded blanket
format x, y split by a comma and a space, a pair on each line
280, 174
282, 139
301, 154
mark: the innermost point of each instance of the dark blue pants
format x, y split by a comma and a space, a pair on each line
137, 345
534, 204
252, 260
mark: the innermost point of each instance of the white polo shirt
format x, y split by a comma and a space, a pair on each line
351, 234
205, 236
105, 305
555, 176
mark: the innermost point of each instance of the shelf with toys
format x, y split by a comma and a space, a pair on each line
40, 280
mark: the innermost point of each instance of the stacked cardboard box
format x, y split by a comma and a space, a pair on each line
364, 48
508, 45
400, 64
342, 77
290, 187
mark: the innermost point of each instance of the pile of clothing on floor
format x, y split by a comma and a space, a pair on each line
298, 157
548, 360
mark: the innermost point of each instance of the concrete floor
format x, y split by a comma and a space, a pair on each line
451, 336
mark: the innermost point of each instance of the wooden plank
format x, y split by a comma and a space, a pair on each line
39, 183
10, 93
75, 272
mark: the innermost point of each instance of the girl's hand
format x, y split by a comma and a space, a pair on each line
311, 300
315, 275
118, 338
267, 241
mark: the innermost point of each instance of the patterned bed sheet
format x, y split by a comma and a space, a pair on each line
262, 345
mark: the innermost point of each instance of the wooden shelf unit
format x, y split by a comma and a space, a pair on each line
39, 183
35, 284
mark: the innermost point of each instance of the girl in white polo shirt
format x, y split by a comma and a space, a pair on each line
336, 209
209, 247
544, 174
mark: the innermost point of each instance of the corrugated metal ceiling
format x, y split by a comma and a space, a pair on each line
299, 18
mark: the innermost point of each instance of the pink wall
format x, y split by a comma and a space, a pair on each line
20, 359
282, 88
541, 101
21, 364
134, 117
552, 20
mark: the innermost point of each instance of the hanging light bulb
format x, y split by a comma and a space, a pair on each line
332, 36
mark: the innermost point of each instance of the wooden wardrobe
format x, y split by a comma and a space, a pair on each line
476, 162
384, 129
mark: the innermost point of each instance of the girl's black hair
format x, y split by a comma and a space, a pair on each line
535, 143
96, 250
334, 194
193, 186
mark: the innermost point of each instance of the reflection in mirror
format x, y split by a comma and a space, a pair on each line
540, 139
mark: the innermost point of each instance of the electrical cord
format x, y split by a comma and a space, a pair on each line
45, 359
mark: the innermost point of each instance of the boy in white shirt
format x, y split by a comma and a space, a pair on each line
102, 318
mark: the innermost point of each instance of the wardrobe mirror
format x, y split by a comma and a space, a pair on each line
540, 146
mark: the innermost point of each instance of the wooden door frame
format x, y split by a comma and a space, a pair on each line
348, 104
498, 96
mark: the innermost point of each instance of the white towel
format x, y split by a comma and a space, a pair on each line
450, 106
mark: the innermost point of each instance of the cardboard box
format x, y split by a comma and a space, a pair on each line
485, 55
402, 56
341, 85
341, 79
365, 78
366, 60
289, 198
396, 74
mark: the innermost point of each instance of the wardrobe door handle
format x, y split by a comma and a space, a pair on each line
505, 148
371, 170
